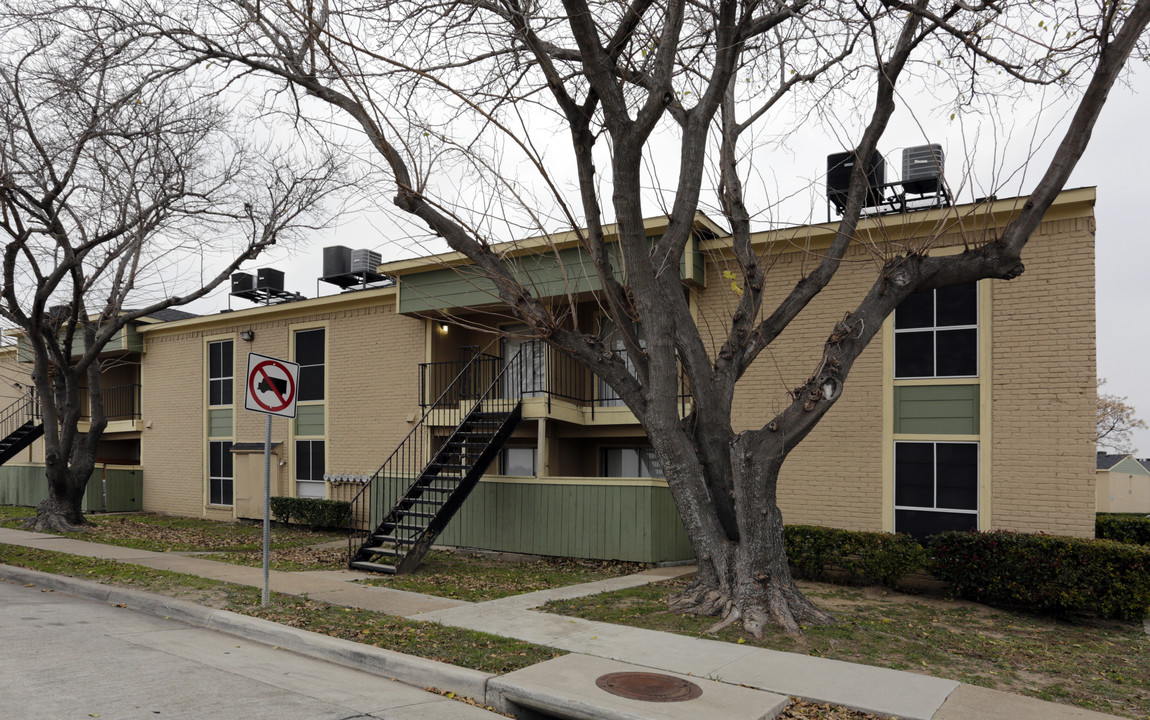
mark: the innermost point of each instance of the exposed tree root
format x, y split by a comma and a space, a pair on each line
53, 522
772, 605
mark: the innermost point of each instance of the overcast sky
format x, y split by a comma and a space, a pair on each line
1116, 162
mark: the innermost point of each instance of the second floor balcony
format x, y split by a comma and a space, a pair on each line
551, 384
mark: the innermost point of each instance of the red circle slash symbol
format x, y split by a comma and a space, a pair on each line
284, 390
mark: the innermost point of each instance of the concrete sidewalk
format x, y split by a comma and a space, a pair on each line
862, 687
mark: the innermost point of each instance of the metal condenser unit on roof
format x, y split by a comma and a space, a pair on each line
364, 261
922, 168
336, 261
839, 167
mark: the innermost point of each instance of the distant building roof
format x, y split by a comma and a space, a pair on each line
171, 314
1109, 460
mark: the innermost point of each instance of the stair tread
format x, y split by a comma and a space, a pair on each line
372, 567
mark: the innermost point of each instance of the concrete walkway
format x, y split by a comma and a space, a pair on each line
871, 689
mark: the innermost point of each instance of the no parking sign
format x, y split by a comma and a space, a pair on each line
271, 386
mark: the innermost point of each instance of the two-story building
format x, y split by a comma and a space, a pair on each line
973, 408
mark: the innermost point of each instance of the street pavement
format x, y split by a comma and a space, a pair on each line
65, 657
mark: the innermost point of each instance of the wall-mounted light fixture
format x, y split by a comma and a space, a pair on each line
247, 335
443, 327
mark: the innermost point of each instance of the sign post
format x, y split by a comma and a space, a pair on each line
270, 389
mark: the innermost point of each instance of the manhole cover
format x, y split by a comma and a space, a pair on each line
652, 687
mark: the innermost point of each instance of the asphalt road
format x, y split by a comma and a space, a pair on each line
63, 657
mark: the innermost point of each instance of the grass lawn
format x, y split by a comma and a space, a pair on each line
465, 648
167, 533
475, 578
1102, 665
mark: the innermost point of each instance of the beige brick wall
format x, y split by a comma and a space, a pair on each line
172, 445
371, 389
1044, 385
834, 477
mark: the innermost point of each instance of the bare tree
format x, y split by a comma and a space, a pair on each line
460, 99
117, 174
1117, 421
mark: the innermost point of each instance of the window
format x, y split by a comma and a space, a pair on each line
630, 462
935, 487
220, 355
309, 346
519, 461
936, 333
309, 467
220, 474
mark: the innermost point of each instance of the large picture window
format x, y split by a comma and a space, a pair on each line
935, 487
220, 358
936, 333
220, 473
309, 468
630, 462
309, 352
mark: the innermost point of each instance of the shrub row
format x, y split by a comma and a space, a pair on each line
1045, 573
1042, 573
865, 557
313, 512
1125, 528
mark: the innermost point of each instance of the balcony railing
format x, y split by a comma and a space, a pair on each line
121, 402
537, 370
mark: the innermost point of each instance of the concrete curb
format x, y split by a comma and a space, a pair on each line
407, 669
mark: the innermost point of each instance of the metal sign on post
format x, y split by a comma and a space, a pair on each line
270, 389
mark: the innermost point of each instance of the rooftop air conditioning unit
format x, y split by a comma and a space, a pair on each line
243, 282
336, 261
922, 168
839, 167
364, 261
269, 279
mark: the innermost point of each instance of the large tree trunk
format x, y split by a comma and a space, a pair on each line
63, 509
745, 579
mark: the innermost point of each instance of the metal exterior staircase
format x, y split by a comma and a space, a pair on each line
20, 426
442, 471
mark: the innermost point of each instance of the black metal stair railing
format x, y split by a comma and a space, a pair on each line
26, 409
419, 479
20, 425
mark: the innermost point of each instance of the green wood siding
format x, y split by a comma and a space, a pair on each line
125, 339
607, 522
309, 420
1129, 466
542, 273
220, 423
114, 489
936, 409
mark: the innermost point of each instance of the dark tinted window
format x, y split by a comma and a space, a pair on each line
309, 460
914, 354
917, 311
922, 523
957, 352
914, 474
957, 474
956, 305
309, 348
220, 372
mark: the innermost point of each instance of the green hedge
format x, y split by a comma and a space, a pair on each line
866, 557
1123, 527
314, 512
1045, 573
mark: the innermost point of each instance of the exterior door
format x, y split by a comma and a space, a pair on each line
525, 365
